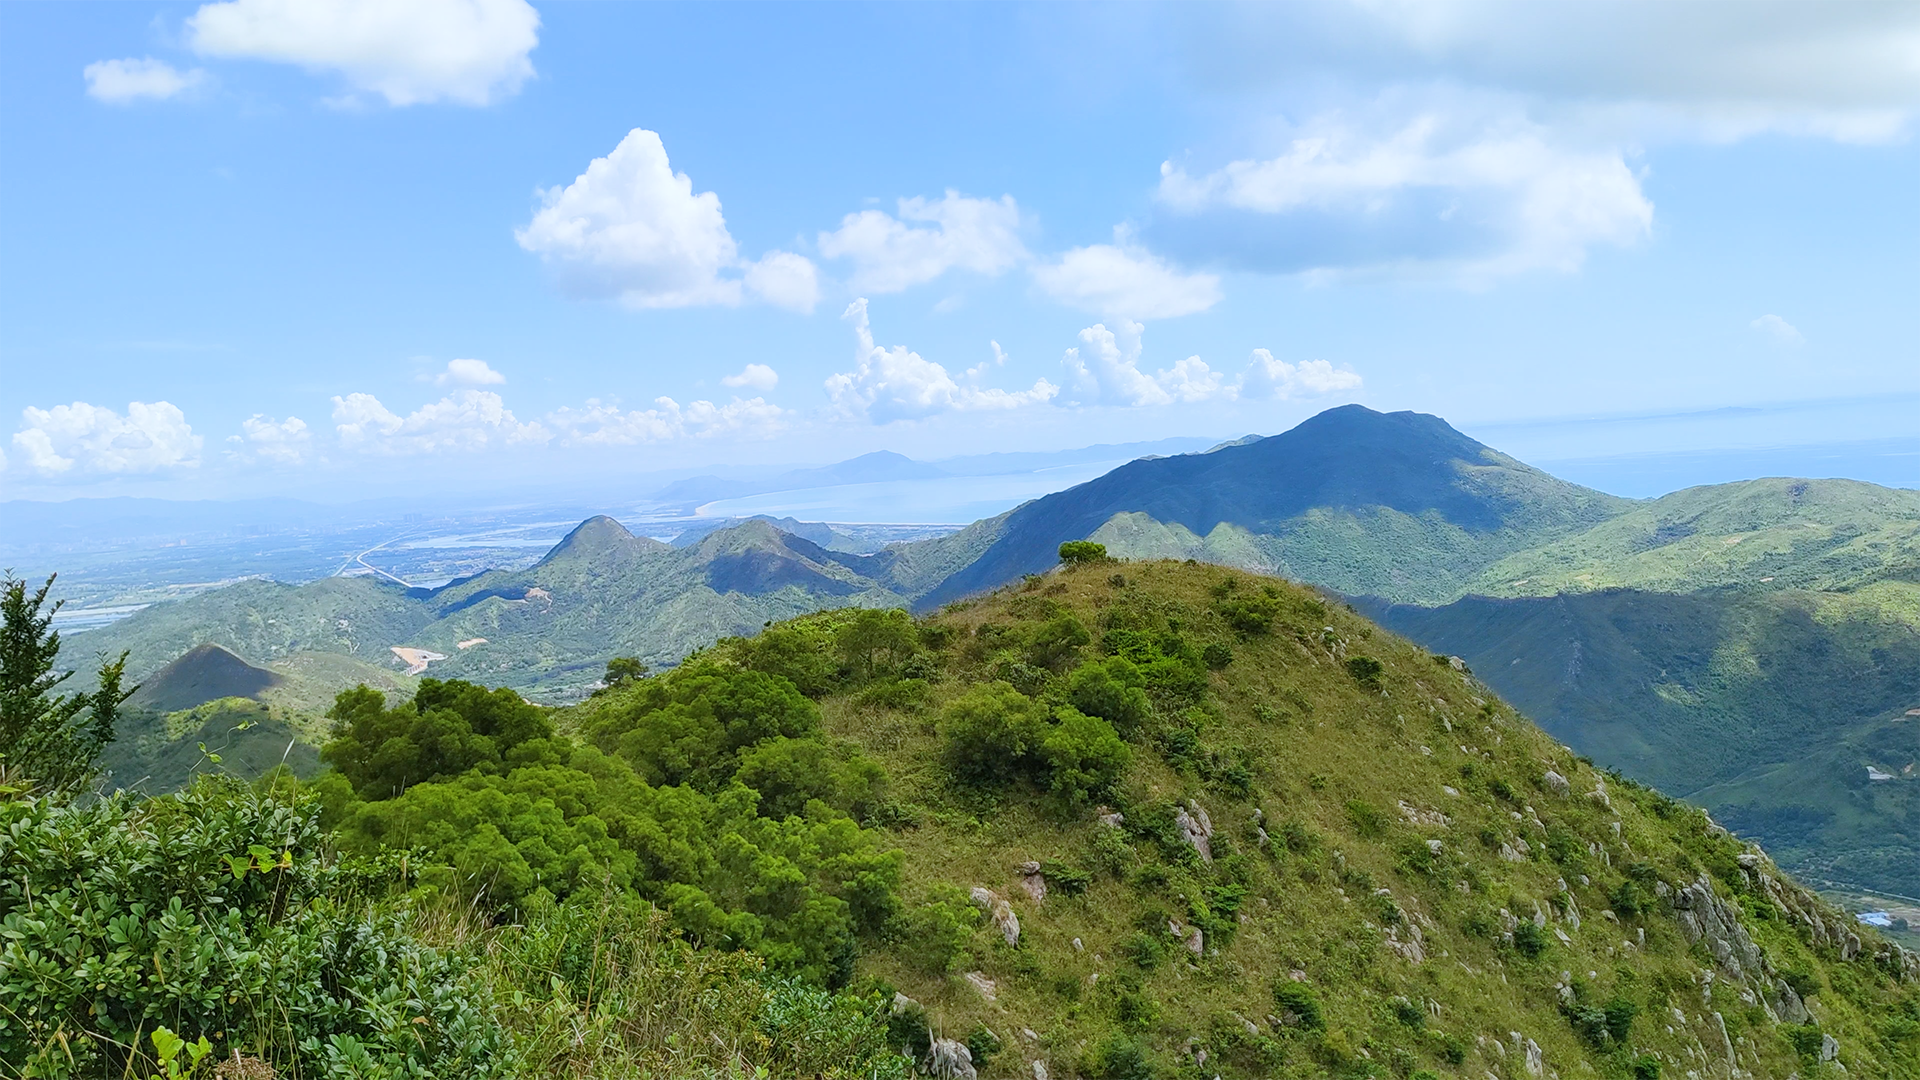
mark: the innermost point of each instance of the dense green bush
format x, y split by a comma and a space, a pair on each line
1076, 552
874, 639
1111, 689
995, 736
449, 728
801, 655
707, 791
690, 726
500, 838
214, 913
1054, 644
1167, 664
1084, 756
939, 930
992, 735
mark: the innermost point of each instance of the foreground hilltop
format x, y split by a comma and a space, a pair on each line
1171, 818
1115, 821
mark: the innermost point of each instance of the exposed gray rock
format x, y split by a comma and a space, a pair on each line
950, 1060
902, 1004
1829, 1048
1039, 1070
1704, 917
979, 981
1196, 827
1726, 1043
999, 911
1033, 881
1006, 922
1786, 1003
1557, 784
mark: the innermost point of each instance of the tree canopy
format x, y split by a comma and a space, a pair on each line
50, 739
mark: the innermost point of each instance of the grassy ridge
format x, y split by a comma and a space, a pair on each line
1366, 852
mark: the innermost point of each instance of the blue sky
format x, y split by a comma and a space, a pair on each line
266, 247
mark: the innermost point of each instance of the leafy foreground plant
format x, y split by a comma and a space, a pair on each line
219, 914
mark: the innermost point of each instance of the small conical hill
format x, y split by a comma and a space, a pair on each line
1326, 852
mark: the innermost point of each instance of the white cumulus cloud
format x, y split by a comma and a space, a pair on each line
82, 439
464, 420
1125, 282
1104, 369
279, 442
469, 373
471, 52
633, 229
120, 81
952, 232
899, 384
1486, 196
1267, 377
1778, 329
602, 424
759, 376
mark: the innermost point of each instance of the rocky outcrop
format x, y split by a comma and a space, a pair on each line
948, 1059
1196, 828
1001, 912
1705, 918
1556, 783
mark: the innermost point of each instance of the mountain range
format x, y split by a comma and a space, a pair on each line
1753, 645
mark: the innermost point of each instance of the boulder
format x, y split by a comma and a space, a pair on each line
986, 987
950, 1060
1196, 828
1557, 784
1032, 880
1006, 922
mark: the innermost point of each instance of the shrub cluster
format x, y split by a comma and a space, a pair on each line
709, 791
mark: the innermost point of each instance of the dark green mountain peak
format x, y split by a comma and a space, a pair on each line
204, 673
1315, 502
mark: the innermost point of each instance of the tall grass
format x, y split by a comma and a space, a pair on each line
605, 988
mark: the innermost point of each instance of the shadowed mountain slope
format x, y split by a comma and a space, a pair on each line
1687, 691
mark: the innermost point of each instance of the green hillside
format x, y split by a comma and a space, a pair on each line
1800, 534
548, 630
1387, 849
1119, 820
